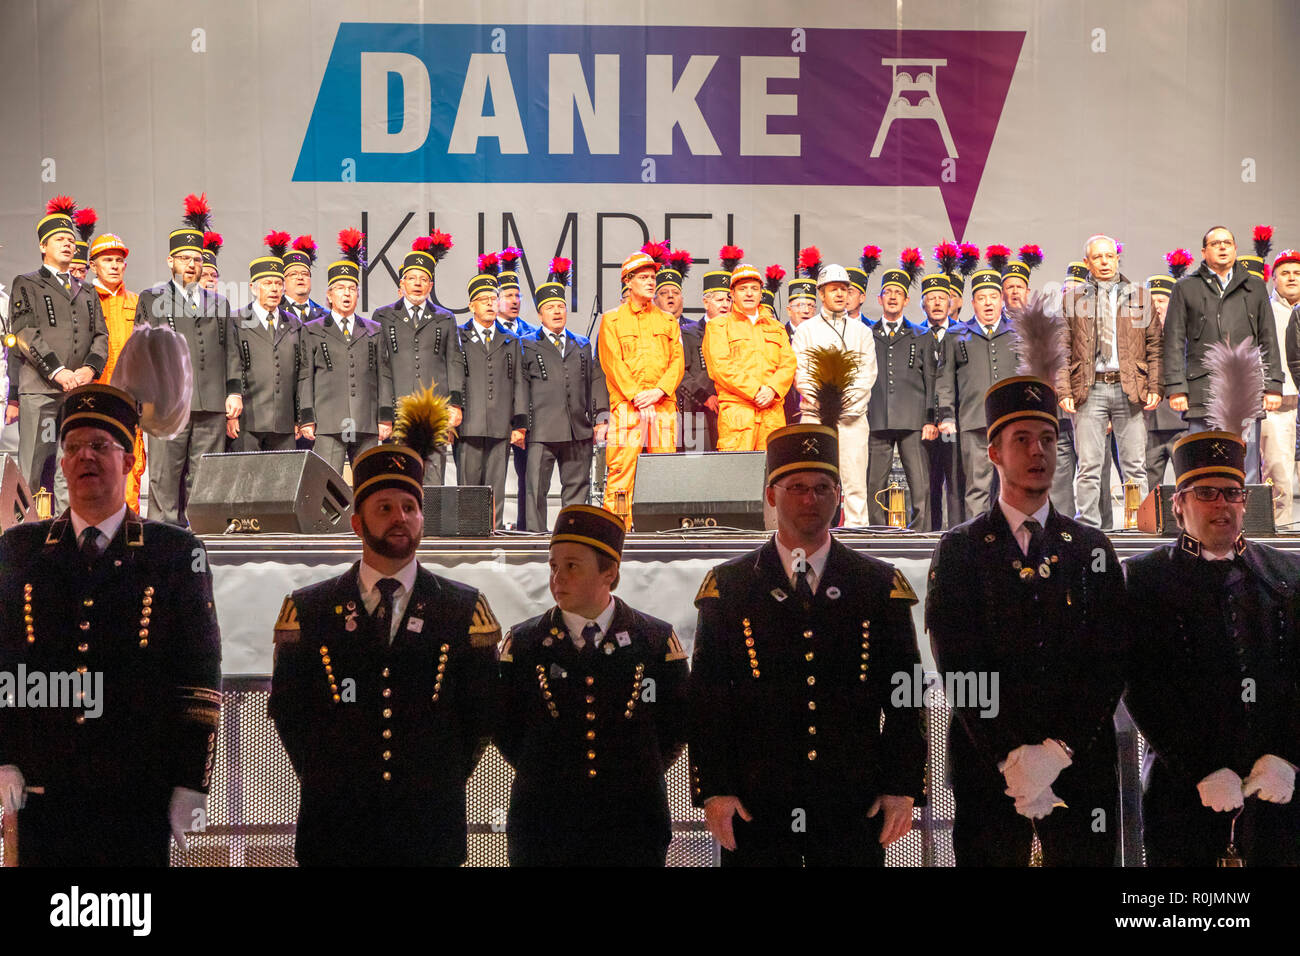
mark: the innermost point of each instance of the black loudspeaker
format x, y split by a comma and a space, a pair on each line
454, 511
1156, 516
280, 492
692, 490
16, 502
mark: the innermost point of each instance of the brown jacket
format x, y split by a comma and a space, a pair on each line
1139, 344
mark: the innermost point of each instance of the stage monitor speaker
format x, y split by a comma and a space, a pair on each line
16, 503
1156, 514
454, 511
277, 492
692, 490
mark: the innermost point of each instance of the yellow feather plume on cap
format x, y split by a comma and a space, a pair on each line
423, 421
832, 371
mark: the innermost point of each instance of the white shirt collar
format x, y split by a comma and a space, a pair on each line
753, 319
411, 306
108, 527
342, 322
1016, 519
574, 623
53, 271
368, 577
816, 561
260, 312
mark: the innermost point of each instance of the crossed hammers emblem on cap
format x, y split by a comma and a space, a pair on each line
397, 462
811, 446
1032, 393
1218, 449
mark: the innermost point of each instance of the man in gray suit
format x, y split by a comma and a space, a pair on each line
269, 340
62, 343
346, 388
203, 319
976, 355
568, 403
420, 340
496, 400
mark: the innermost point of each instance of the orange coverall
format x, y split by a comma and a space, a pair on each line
638, 351
742, 357
119, 316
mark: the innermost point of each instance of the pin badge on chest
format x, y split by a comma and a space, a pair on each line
1026, 574
833, 593
547, 641
415, 625
609, 648
1044, 570
623, 638
351, 623
779, 594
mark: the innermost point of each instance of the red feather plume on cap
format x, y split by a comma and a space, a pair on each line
212, 242
509, 256
998, 256
870, 259
307, 246
730, 257
774, 276
352, 243
439, 244
421, 244
488, 264
913, 263
85, 220
970, 258
198, 215
810, 261
560, 268
277, 242
946, 255
1030, 255
61, 204
1263, 238
1178, 261
658, 251
680, 260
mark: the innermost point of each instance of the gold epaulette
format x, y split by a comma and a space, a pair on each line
286, 625
484, 631
675, 652
709, 589
505, 656
902, 590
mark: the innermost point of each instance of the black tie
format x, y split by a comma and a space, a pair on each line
66, 279
802, 589
559, 344
1035, 538
590, 632
486, 336
384, 611
415, 315
90, 544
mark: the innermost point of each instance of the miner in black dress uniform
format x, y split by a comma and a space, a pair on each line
269, 342
593, 712
1214, 683
382, 688
1034, 600
118, 609
795, 652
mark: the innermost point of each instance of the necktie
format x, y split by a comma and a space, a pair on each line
802, 589
1035, 537
415, 315
559, 344
347, 328
893, 330
66, 279
270, 321
590, 633
384, 610
90, 544
486, 337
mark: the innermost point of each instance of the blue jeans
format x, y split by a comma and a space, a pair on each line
1107, 403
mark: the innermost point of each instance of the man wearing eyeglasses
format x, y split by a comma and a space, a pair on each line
118, 612
1213, 684
795, 655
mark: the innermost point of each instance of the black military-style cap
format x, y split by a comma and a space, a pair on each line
387, 466
101, 406
481, 283
1209, 454
935, 282
801, 289
1076, 270
717, 280
858, 278
1017, 269
803, 448
985, 279
668, 277
1017, 398
1254, 265
265, 266
595, 527
1161, 283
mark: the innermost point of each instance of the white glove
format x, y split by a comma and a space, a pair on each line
1272, 778
1032, 768
1035, 808
180, 814
13, 789
1221, 791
